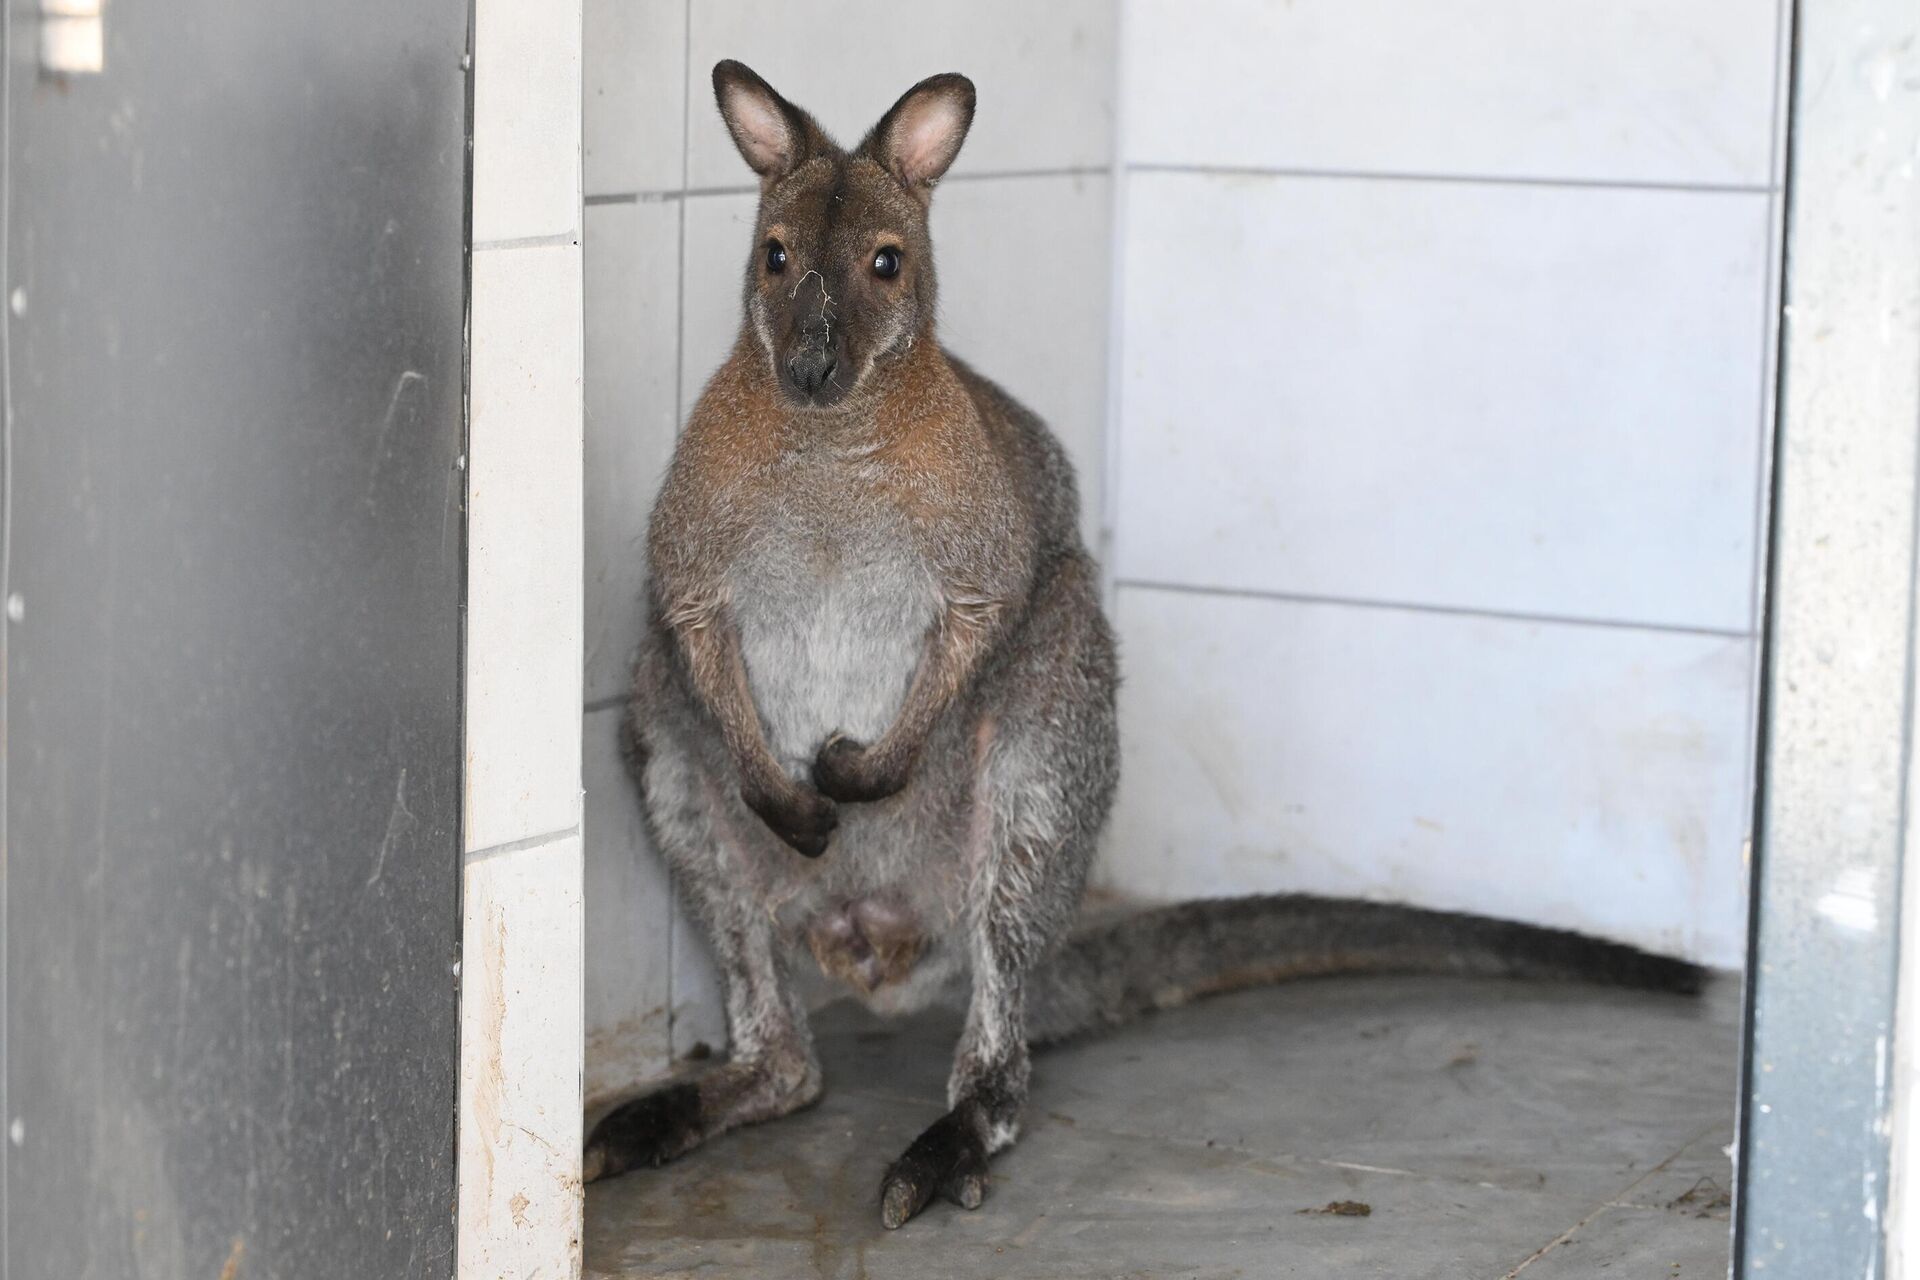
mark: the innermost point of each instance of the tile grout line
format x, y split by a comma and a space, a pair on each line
1121, 169
1056, 171
1553, 1244
1608, 1204
679, 364
1407, 606
519, 846
1112, 420
530, 242
1641, 1206
1462, 179
688, 191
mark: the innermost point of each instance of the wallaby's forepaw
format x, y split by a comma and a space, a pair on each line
647, 1132
948, 1158
801, 816
847, 771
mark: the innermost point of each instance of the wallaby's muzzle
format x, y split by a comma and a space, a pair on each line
813, 372
814, 367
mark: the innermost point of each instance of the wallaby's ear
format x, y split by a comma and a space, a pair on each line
774, 136
921, 135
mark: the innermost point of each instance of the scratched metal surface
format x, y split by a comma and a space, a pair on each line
1835, 818
234, 742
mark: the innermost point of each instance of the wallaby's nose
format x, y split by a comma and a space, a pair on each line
810, 370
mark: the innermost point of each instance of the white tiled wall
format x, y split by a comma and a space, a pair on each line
1441, 394
636, 94
1044, 74
526, 120
1582, 776
520, 1028
1428, 451
627, 1020
1522, 398
1022, 227
719, 234
1025, 266
524, 537
633, 328
1649, 91
521, 976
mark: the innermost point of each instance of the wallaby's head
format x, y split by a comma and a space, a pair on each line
840, 276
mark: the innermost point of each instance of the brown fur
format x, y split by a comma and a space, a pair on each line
875, 640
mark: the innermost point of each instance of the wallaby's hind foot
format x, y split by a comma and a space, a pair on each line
950, 1158
644, 1133
669, 1122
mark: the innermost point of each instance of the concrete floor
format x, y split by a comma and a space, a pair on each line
1493, 1129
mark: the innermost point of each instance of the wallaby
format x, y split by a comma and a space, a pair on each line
873, 715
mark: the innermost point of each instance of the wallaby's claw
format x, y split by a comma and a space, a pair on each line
967, 1185
947, 1158
901, 1196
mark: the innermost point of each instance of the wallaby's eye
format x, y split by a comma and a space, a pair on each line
776, 257
886, 263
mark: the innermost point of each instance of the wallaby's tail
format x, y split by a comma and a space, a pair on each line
1107, 974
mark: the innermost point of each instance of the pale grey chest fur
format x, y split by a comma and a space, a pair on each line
833, 609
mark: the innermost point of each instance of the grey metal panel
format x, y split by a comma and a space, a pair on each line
233, 717
1839, 692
